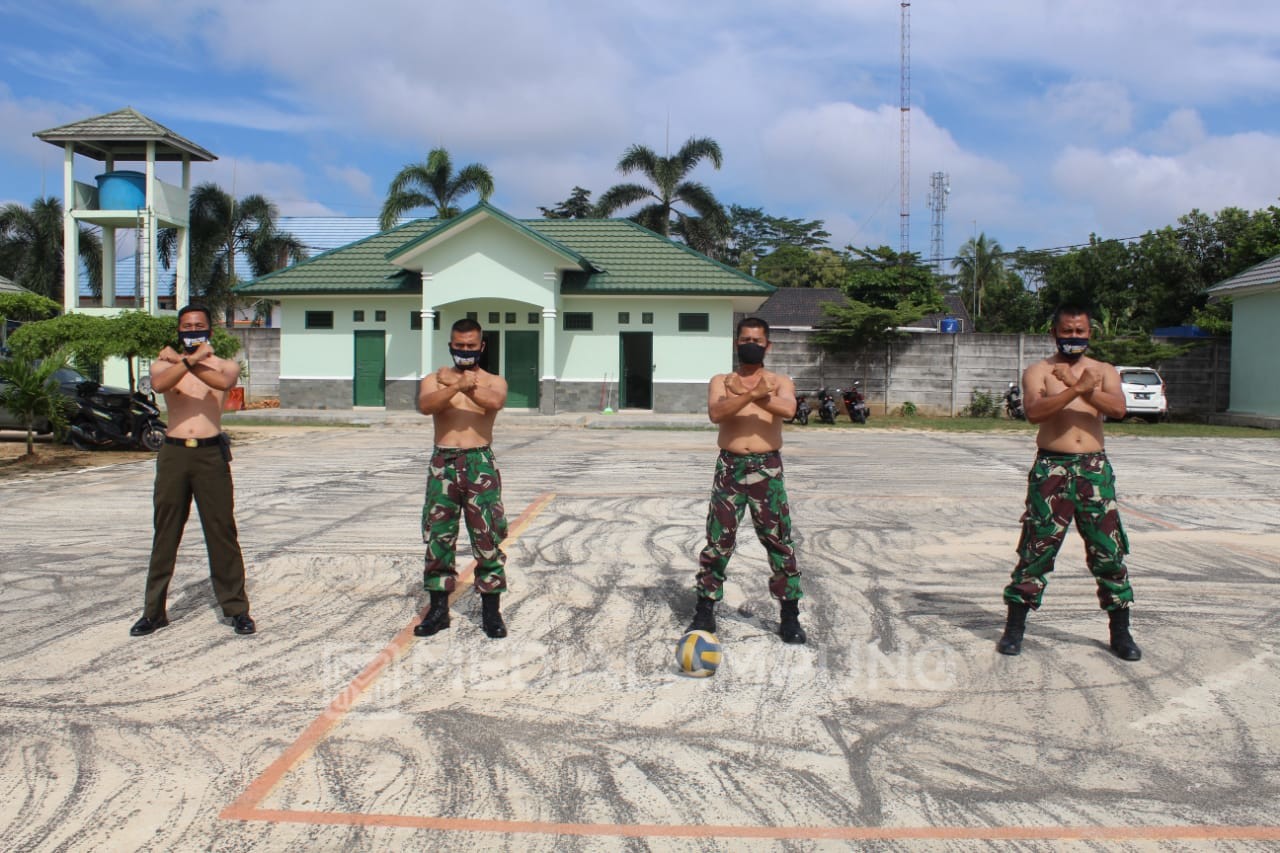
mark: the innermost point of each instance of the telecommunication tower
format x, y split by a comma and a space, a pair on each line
904, 135
939, 189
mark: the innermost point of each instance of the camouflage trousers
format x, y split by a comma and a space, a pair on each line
1062, 487
464, 483
749, 481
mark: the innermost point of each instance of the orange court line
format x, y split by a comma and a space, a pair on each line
840, 833
245, 807
258, 790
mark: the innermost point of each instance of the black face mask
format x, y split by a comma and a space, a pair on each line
1072, 348
750, 354
191, 340
465, 359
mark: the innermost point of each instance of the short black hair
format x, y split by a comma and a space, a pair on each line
465, 325
196, 306
751, 323
1070, 309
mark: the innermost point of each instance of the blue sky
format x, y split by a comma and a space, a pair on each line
1053, 120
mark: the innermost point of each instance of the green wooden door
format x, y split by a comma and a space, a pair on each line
521, 370
370, 383
636, 388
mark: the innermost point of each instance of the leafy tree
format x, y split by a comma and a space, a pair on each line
978, 264
93, 339
753, 234
577, 206
432, 183
223, 228
885, 290
1096, 275
31, 248
794, 266
1009, 307
673, 205
31, 392
26, 306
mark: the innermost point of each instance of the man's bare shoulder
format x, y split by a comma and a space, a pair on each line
491, 380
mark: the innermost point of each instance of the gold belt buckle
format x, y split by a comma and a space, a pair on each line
191, 442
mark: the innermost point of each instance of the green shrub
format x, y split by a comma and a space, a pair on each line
983, 405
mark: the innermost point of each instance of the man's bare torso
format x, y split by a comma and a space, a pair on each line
194, 410
1078, 427
462, 422
753, 429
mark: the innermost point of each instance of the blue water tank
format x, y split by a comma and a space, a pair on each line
123, 190
950, 325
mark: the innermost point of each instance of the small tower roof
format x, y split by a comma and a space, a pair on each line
123, 135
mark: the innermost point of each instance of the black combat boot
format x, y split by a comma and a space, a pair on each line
490, 618
1121, 641
790, 629
704, 618
437, 618
1014, 626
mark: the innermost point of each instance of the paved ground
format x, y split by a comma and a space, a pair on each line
897, 727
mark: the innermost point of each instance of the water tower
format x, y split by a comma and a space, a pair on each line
125, 199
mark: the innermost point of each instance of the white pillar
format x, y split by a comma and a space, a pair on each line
182, 263
548, 343
428, 340
109, 253
152, 275
70, 235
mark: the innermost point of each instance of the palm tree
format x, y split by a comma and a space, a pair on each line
31, 248
980, 263
222, 228
433, 184
704, 226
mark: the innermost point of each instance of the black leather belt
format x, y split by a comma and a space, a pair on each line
193, 442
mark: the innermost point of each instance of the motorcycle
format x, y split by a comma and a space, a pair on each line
855, 403
826, 407
114, 417
802, 411
1013, 403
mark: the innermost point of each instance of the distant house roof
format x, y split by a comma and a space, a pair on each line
802, 308
1258, 278
7, 286
613, 256
123, 135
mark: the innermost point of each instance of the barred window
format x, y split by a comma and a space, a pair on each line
357, 316
695, 322
415, 321
578, 321
624, 317
646, 317
318, 320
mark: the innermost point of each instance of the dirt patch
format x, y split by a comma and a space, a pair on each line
51, 456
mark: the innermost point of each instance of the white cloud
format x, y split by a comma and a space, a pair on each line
357, 180
1087, 107
1129, 191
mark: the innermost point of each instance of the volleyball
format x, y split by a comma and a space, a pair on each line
698, 654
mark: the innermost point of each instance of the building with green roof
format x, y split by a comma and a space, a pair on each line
579, 314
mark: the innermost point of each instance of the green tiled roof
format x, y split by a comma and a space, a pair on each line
360, 267
622, 258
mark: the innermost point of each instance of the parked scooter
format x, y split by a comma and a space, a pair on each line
115, 418
855, 403
1013, 403
802, 411
826, 407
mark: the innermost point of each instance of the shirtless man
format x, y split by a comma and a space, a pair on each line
195, 462
463, 479
1067, 395
749, 405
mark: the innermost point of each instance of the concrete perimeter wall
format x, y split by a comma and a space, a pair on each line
938, 373
260, 351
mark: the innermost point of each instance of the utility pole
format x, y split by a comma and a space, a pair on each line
904, 135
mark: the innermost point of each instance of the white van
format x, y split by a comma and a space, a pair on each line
1144, 395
